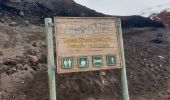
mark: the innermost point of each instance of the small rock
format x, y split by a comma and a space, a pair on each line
14, 69
26, 23
131, 74
43, 44
13, 24
22, 82
156, 41
2, 20
1, 53
161, 57
152, 65
9, 61
168, 91
103, 73
19, 66
30, 51
23, 67
34, 44
21, 13
33, 59
39, 66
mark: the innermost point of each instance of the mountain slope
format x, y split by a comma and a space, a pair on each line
158, 13
155, 10
165, 16
139, 21
35, 11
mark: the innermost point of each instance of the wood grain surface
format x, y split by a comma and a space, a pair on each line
78, 37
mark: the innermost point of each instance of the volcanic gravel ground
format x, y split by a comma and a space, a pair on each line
23, 70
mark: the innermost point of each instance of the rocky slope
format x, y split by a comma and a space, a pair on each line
23, 69
34, 11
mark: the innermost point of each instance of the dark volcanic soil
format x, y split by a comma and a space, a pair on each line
23, 74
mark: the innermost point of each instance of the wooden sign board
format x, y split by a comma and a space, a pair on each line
87, 44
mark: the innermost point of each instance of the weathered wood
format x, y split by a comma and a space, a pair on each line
124, 84
86, 37
50, 59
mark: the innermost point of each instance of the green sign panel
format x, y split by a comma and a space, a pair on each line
67, 62
83, 62
97, 61
111, 60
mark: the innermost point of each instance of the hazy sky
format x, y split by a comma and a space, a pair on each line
121, 7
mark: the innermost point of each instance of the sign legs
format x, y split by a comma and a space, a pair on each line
50, 58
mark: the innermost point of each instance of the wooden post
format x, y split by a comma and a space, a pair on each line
124, 83
50, 58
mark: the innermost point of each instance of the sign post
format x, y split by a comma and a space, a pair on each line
50, 58
124, 84
85, 44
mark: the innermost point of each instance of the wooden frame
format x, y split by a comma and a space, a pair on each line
87, 36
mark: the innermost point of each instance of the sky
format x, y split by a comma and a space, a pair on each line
121, 7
